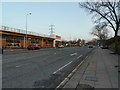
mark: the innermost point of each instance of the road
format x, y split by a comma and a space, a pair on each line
44, 68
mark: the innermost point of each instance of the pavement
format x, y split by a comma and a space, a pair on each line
97, 71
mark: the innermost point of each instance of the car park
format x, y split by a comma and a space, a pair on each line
33, 47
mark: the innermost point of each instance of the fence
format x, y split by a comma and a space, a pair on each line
22, 31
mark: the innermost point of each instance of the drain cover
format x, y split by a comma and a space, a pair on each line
89, 78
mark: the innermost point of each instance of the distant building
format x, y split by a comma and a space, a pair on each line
57, 39
16, 38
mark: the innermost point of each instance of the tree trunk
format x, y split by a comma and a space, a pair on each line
116, 41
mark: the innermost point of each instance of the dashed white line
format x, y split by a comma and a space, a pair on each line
22, 65
79, 56
62, 67
73, 54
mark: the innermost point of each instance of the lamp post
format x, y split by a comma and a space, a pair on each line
25, 40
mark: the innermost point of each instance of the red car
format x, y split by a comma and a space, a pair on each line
33, 47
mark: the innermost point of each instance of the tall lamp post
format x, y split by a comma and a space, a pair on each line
25, 43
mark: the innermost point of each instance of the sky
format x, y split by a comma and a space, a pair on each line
69, 20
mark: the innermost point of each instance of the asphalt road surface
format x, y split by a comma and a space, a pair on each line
44, 68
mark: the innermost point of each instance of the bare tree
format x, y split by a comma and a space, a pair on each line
105, 12
100, 31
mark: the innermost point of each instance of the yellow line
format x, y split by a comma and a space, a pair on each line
74, 70
60, 84
71, 73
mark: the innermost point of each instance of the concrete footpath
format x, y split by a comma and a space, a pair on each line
97, 71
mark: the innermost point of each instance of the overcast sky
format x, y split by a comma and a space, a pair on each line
71, 22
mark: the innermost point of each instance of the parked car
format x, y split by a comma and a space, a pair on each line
90, 46
61, 46
105, 47
33, 47
80, 45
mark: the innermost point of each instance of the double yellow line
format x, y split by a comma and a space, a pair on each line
71, 73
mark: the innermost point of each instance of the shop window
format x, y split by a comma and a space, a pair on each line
9, 41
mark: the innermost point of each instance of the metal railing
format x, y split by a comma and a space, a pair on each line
22, 31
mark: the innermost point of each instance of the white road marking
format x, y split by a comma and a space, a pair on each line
73, 54
54, 53
62, 67
22, 65
79, 56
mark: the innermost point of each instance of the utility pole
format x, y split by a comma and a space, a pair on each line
51, 30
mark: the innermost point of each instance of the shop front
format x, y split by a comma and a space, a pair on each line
12, 39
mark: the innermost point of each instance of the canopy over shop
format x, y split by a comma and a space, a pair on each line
16, 39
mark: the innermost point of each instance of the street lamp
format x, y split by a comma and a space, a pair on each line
26, 29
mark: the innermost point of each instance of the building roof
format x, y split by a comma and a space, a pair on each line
18, 32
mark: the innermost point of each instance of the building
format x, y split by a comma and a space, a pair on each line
16, 38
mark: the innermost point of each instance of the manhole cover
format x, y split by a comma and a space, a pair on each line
89, 78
